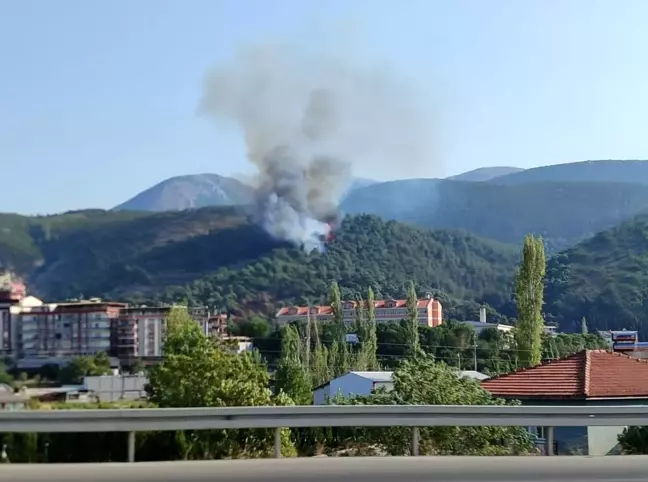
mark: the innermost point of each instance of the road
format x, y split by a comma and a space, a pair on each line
357, 469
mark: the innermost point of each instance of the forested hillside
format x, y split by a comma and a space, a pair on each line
604, 279
563, 213
215, 256
367, 252
79, 252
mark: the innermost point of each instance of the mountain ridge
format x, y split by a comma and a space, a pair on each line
482, 174
194, 191
611, 170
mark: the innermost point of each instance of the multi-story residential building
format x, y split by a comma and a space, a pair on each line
430, 312
11, 293
217, 325
138, 332
66, 329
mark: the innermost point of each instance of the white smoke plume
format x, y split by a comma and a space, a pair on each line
308, 123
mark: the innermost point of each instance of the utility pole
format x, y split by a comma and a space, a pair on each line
475, 351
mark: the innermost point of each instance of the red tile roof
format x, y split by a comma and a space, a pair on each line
587, 374
326, 310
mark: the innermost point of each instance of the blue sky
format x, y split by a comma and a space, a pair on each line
98, 100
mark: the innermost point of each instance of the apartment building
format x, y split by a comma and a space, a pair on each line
430, 312
138, 332
65, 329
217, 325
11, 293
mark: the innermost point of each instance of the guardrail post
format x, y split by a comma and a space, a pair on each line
415, 441
549, 437
131, 447
277, 443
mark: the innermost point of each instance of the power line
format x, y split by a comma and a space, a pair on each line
387, 344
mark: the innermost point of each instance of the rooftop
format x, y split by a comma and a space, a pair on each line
376, 376
475, 375
586, 374
326, 310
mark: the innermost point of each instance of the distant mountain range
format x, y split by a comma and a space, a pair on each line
485, 174
633, 171
564, 203
190, 192
201, 190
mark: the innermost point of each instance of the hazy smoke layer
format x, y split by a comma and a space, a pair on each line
306, 120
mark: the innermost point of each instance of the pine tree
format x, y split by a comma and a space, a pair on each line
413, 342
529, 290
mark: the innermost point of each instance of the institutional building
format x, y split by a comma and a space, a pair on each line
430, 312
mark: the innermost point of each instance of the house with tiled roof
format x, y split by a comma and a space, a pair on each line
590, 377
430, 312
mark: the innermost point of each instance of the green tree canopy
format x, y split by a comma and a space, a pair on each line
199, 371
422, 380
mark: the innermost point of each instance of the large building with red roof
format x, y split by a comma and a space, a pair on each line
430, 312
590, 377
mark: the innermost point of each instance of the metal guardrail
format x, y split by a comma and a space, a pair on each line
146, 419
159, 419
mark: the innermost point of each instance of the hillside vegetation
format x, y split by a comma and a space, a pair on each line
215, 256
604, 279
563, 213
78, 253
367, 252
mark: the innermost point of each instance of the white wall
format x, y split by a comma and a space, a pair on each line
111, 388
602, 440
346, 385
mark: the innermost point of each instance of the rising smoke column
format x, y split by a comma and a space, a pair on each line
307, 121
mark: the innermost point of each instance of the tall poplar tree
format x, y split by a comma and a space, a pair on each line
339, 351
529, 290
413, 342
372, 337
